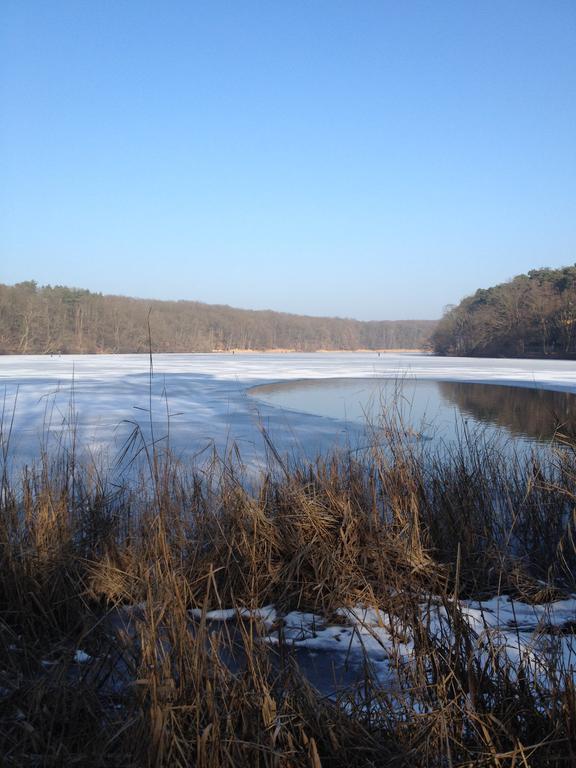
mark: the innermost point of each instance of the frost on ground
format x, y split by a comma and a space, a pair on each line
198, 403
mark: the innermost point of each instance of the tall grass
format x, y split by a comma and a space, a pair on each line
102, 662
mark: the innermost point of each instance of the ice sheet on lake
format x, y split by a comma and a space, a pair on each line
200, 400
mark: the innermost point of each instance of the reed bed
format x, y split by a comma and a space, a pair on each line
109, 657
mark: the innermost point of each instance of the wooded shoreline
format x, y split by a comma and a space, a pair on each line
56, 319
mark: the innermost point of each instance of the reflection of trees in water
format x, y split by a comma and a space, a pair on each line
534, 413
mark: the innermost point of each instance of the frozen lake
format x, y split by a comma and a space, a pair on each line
199, 402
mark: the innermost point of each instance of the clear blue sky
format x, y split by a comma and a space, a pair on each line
376, 159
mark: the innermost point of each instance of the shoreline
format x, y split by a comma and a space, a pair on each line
235, 351
281, 351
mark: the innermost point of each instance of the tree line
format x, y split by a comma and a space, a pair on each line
532, 315
56, 319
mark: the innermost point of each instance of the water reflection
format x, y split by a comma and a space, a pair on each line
431, 408
525, 412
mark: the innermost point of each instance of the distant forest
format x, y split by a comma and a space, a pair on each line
56, 319
532, 315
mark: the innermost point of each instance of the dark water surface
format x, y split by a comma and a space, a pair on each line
431, 409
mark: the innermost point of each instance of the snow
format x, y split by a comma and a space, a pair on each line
223, 615
199, 402
507, 630
267, 614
